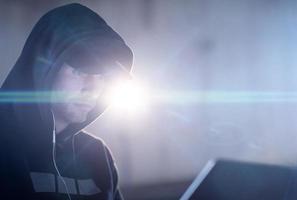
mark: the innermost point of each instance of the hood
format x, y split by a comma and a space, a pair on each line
71, 33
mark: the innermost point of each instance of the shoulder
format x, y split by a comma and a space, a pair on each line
8, 126
87, 137
8, 120
91, 147
92, 143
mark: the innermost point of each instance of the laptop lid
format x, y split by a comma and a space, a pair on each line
234, 180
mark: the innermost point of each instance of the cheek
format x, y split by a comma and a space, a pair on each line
73, 85
70, 92
67, 83
101, 104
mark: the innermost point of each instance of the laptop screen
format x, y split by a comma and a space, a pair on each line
233, 180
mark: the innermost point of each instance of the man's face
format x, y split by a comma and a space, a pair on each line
80, 93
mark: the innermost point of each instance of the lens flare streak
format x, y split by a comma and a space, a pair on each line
36, 97
161, 96
194, 97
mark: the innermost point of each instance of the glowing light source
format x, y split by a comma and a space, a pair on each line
127, 96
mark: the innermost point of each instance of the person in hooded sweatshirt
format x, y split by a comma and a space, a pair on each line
56, 88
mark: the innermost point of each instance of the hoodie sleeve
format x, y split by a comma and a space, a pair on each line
117, 195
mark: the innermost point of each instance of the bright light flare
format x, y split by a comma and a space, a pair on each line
127, 96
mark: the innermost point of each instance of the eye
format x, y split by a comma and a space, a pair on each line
113, 76
107, 79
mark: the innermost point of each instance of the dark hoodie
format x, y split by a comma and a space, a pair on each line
73, 34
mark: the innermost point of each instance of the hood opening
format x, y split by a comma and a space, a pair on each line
72, 33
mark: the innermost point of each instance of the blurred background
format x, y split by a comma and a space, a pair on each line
181, 48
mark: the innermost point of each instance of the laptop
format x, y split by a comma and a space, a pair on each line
234, 180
